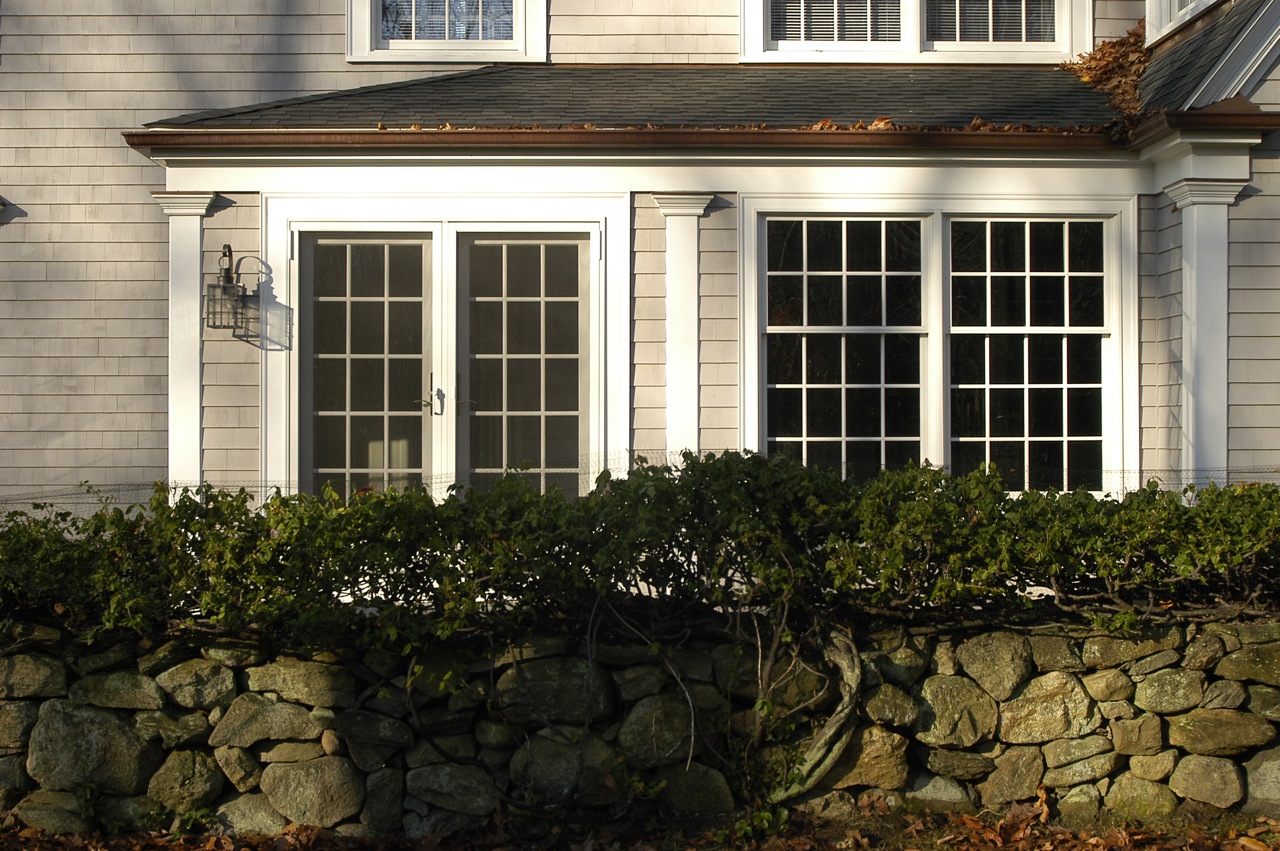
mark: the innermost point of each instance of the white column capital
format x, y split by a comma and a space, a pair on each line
185, 203
682, 203
1203, 190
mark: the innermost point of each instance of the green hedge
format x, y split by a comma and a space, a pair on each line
727, 537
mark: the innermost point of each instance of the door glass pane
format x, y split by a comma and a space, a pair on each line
353, 380
523, 370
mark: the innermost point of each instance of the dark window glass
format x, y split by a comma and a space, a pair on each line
1006, 413
368, 271
404, 275
786, 412
863, 460
1084, 411
1048, 306
1084, 465
1006, 359
901, 412
822, 361
785, 246
968, 359
1045, 414
786, 301
1044, 466
1046, 359
1084, 359
1046, 247
967, 457
825, 307
330, 271
968, 247
968, 301
485, 277
1086, 301
968, 413
824, 247
561, 273
902, 246
524, 271
1008, 247
784, 360
862, 358
864, 301
1008, 301
902, 359
823, 412
902, 299
1009, 459
863, 412
1086, 246
863, 246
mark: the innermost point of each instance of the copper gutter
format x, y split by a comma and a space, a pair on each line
634, 139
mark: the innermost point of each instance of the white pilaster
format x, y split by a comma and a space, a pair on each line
1205, 268
682, 212
186, 212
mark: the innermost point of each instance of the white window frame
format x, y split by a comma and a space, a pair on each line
286, 218
1164, 17
365, 42
1073, 27
1120, 410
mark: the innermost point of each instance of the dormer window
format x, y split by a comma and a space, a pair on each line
915, 30
446, 30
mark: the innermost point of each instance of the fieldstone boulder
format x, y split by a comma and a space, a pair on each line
173, 731
28, 675
931, 793
1224, 694
640, 681
1259, 663
546, 771
384, 801
1143, 735
321, 792
234, 652
998, 661
132, 813
1106, 651
1052, 706
1263, 774
118, 690
52, 812
1017, 776
360, 726
312, 683
696, 790
1055, 653
889, 705
290, 752
73, 746
1066, 751
188, 780
199, 684
1080, 806
253, 718
239, 766
1219, 732
1131, 797
1109, 684
568, 690
1154, 662
905, 663
955, 712
1203, 652
875, 757
961, 765
1265, 701
13, 779
1170, 691
465, 789
1208, 779
251, 815
603, 781
657, 731
1084, 771
17, 717
1154, 767
432, 750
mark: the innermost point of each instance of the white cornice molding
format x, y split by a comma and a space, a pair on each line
1191, 191
185, 203
682, 203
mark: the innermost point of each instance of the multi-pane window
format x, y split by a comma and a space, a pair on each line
990, 20
835, 20
523, 357
1026, 371
447, 20
1019, 377
843, 342
368, 333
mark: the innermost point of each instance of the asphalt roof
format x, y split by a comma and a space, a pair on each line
1178, 68
700, 96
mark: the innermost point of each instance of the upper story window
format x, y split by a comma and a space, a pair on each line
1165, 16
916, 30
446, 30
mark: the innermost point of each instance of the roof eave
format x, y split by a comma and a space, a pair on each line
312, 141
1165, 124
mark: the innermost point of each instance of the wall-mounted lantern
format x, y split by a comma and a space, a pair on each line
224, 303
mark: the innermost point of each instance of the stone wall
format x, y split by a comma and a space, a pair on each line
123, 733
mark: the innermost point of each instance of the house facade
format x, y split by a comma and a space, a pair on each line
375, 243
